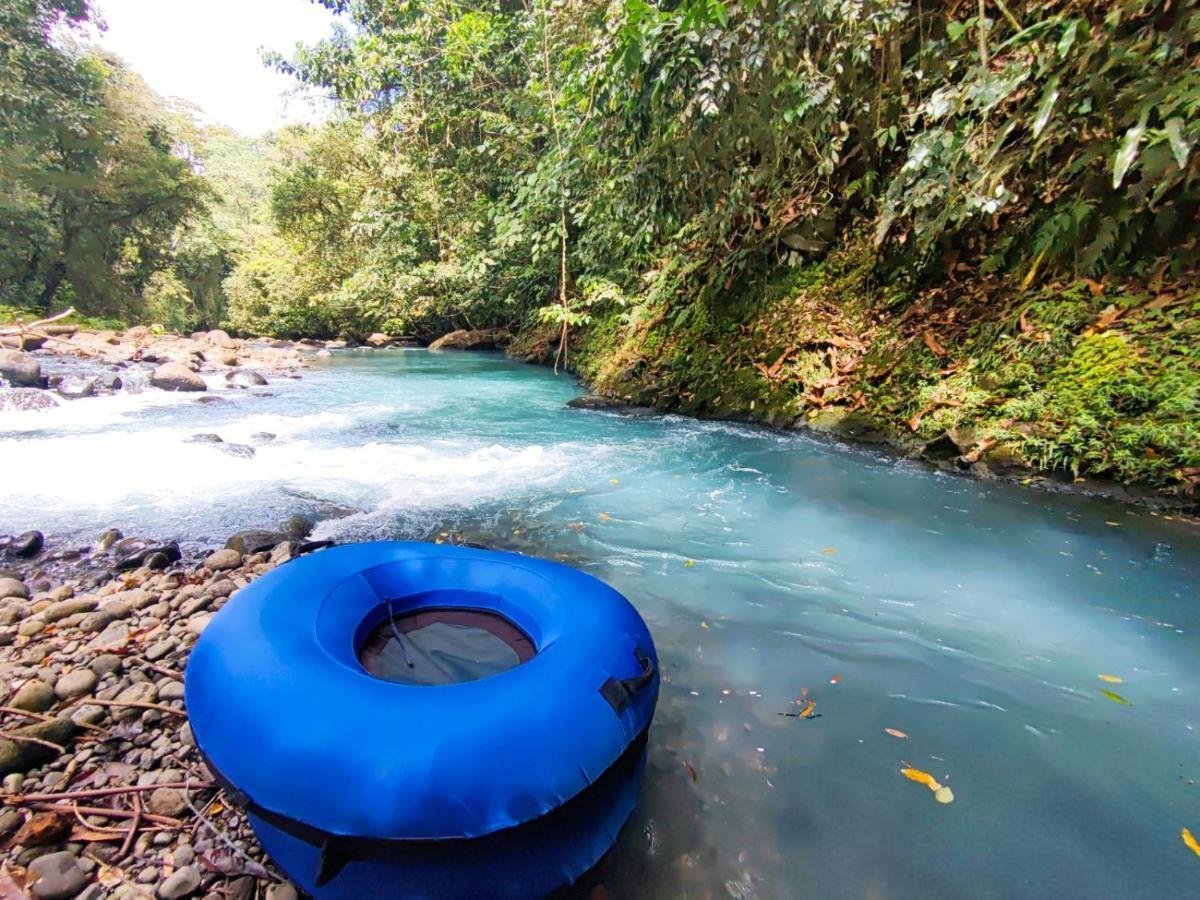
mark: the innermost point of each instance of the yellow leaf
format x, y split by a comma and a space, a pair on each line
614, 481
1190, 841
943, 795
577, 490
704, 625
604, 517
689, 563
896, 733
1111, 679
921, 778
829, 549
1116, 698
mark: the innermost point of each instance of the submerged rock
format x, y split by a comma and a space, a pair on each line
174, 376
26, 399
74, 387
610, 404
170, 551
479, 339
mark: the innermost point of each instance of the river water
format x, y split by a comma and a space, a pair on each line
974, 618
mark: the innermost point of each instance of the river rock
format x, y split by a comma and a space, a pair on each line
26, 545
180, 883
75, 387
20, 369
26, 400
479, 339
107, 539
21, 756
11, 587
223, 559
167, 802
239, 450
323, 353
140, 557
22, 341
55, 876
75, 683
204, 438
70, 607
254, 540
263, 437
596, 401
245, 378
378, 339
33, 696
174, 376
218, 337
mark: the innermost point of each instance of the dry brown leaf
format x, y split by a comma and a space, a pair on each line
1108, 316
1095, 287
1111, 679
932, 343
42, 829
691, 770
896, 733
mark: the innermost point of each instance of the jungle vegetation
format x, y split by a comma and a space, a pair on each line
973, 218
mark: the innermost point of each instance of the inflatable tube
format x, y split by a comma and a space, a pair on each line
416, 720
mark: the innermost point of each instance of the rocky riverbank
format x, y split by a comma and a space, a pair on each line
104, 793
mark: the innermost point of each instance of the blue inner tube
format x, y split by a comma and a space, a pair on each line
349, 764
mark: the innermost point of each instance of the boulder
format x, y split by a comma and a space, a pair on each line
223, 560
20, 369
254, 540
26, 545
204, 438
23, 341
479, 339
33, 696
239, 450
142, 556
73, 387
11, 587
595, 401
26, 400
245, 378
177, 377
378, 340
219, 338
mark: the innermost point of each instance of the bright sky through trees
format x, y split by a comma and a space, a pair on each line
210, 53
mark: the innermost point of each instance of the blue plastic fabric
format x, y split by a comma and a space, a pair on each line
282, 708
529, 861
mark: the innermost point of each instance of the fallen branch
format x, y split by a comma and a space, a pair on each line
133, 827
26, 739
107, 813
131, 704
21, 328
42, 717
105, 792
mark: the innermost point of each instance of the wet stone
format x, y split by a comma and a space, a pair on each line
181, 883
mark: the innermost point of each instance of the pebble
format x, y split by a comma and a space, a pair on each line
167, 802
75, 683
13, 783
181, 883
105, 664
282, 892
56, 876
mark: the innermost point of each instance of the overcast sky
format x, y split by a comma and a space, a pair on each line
209, 52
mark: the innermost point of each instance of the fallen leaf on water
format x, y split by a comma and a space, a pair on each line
1111, 679
896, 733
1113, 524
577, 490
614, 481
943, 795
604, 517
1116, 698
1190, 841
703, 624
807, 711
575, 526
921, 778
835, 679
691, 770
689, 563
829, 549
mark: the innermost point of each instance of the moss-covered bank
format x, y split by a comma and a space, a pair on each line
1070, 381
